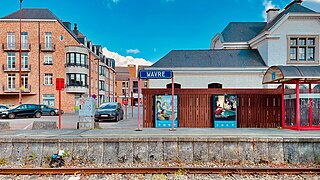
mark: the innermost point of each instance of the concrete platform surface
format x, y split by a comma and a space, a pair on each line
159, 133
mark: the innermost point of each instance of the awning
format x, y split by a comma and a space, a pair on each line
279, 74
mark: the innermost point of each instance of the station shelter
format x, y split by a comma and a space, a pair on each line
300, 106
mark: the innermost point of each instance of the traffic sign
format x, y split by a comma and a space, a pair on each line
155, 74
59, 84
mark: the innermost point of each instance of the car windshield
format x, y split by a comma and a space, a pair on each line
108, 106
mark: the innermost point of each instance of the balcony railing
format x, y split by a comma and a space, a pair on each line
76, 64
25, 47
47, 47
76, 85
14, 88
24, 68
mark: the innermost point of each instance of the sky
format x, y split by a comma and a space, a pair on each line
143, 31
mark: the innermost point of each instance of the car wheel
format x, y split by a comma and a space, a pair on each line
37, 114
52, 113
11, 116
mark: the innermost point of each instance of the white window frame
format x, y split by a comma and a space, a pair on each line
11, 40
25, 61
25, 81
24, 39
11, 81
11, 60
48, 79
48, 40
48, 59
298, 47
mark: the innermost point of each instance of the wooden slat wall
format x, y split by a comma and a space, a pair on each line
257, 108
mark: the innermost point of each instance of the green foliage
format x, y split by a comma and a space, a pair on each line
3, 161
159, 177
66, 153
182, 172
32, 157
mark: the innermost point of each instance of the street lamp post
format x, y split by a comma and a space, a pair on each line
20, 57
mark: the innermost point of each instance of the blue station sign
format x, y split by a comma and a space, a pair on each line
155, 74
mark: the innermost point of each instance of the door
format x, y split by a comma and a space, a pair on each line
11, 82
25, 61
22, 110
11, 41
24, 39
24, 81
48, 40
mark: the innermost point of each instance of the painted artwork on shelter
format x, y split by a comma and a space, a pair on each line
225, 111
163, 111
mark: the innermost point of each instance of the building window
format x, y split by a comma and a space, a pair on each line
74, 79
48, 99
302, 49
123, 84
145, 84
11, 40
24, 38
48, 40
11, 81
101, 71
101, 86
11, 61
24, 81
48, 79
25, 61
48, 59
77, 59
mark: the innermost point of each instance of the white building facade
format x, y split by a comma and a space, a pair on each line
240, 55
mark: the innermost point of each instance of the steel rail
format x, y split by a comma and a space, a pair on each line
151, 170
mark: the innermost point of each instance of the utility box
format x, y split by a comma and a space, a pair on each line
86, 113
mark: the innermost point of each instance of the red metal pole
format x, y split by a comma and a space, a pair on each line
20, 57
132, 103
310, 106
139, 91
297, 105
172, 110
59, 122
282, 106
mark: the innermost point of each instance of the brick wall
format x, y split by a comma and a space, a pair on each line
35, 56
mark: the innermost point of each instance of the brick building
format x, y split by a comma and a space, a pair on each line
127, 83
50, 50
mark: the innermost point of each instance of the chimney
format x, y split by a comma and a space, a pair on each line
271, 14
68, 25
75, 29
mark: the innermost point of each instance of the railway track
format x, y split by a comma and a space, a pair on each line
160, 170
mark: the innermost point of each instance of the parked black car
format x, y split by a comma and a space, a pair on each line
46, 110
23, 110
109, 111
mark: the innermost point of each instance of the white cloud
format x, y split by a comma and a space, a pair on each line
316, 1
110, 3
133, 51
125, 60
268, 4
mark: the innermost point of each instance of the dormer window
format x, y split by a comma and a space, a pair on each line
303, 49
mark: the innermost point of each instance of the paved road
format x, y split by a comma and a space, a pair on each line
69, 121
